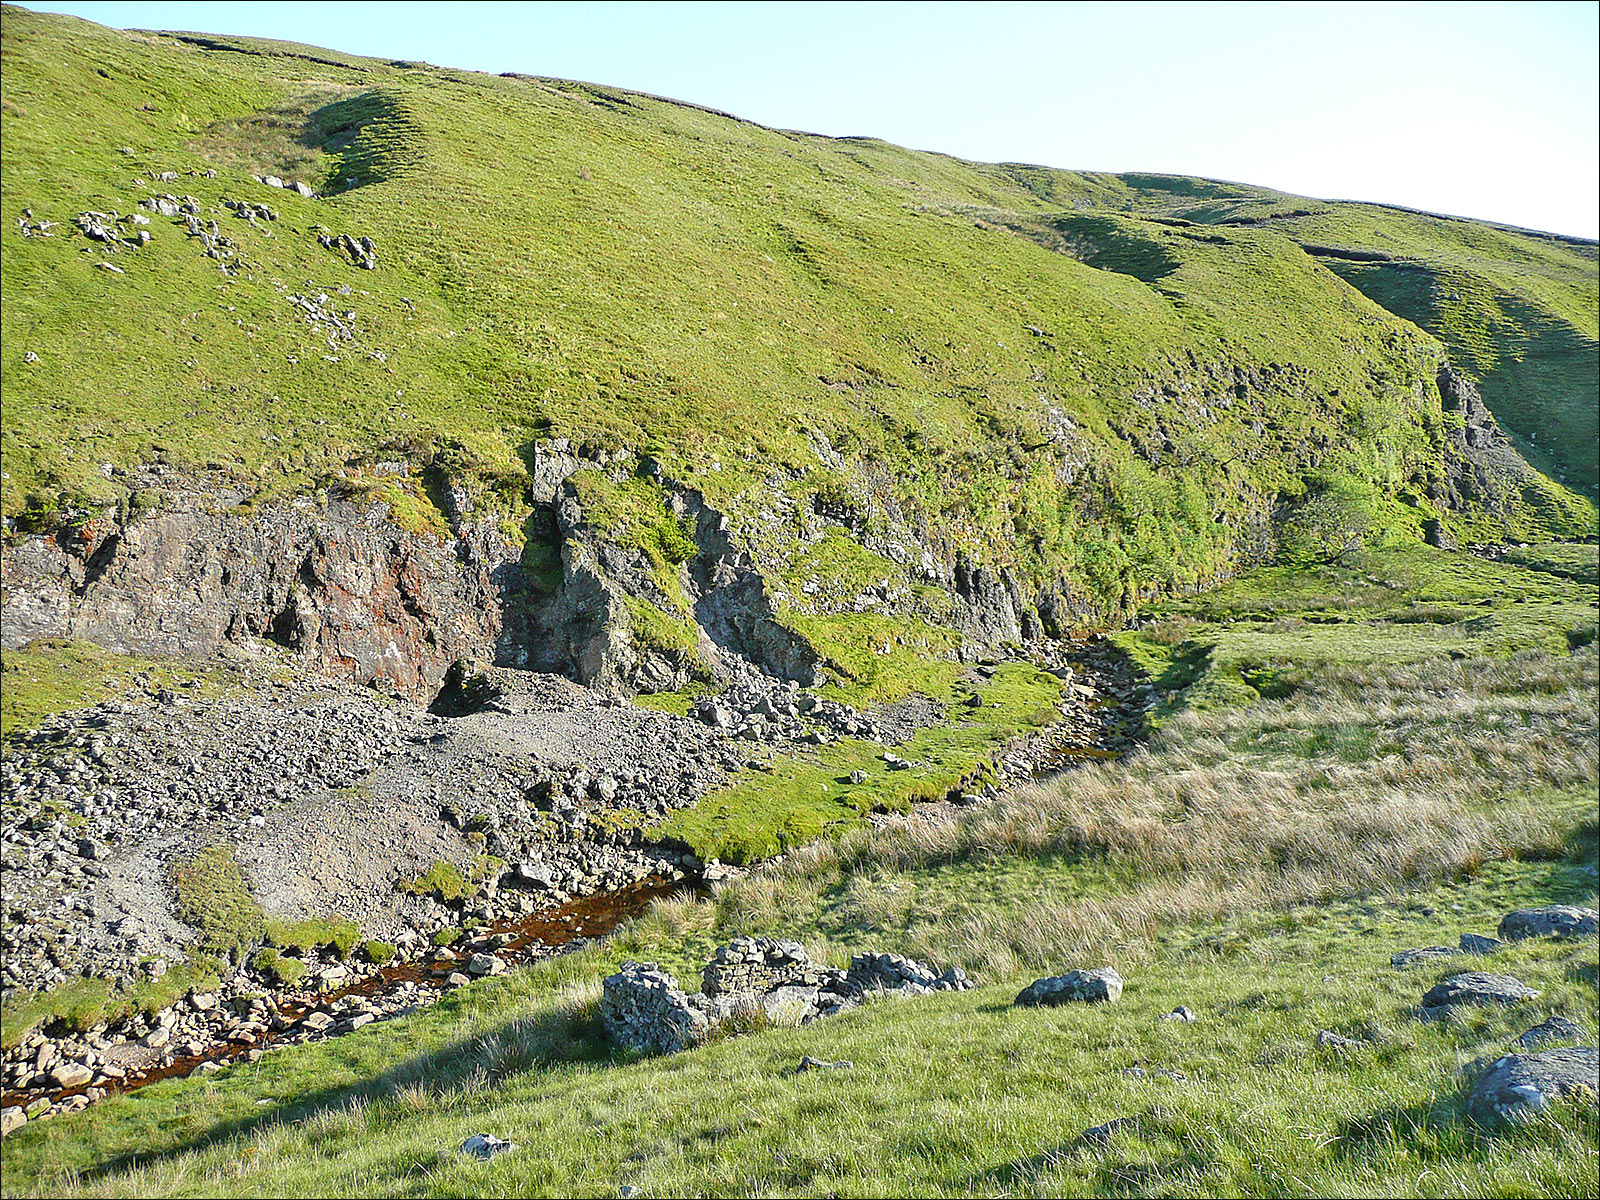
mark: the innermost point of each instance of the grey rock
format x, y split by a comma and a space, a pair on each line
1477, 987
1333, 1041
1519, 1086
486, 1145
1553, 920
1477, 943
1100, 985
816, 1064
1181, 1013
1552, 1029
1426, 954
1101, 1134
12, 1117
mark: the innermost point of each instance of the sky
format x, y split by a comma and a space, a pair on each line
1482, 110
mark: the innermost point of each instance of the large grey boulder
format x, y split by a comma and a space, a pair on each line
642, 1008
1519, 1086
1477, 987
1102, 984
1553, 920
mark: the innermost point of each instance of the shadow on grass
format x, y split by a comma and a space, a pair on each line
1172, 1175
568, 1034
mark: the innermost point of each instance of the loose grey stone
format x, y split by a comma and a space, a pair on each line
1102, 984
12, 1117
1181, 1013
1476, 943
816, 1064
1519, 1086
1101, 1134
486, 1145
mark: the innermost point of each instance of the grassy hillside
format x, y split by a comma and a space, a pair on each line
1113, 398
1519, 310
1257, 863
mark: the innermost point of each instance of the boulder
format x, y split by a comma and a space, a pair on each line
1552, 1029
12, 1117
70, 1075
486, 964
1553, 920
1477, 943
1477, 987
1102, 984
486, 1145
1519, 1086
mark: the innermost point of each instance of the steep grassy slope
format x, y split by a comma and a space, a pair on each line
1518, 310
787, 323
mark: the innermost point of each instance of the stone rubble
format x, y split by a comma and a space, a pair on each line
748, 983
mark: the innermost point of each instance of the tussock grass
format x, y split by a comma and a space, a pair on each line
1373, 777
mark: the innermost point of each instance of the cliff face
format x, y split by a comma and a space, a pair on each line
350, 592
342, 588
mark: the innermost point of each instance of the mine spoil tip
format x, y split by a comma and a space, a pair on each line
530, 938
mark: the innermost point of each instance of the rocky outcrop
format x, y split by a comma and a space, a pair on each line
342, 588
1477, 987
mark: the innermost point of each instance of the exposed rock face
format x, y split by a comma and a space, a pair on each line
344, 589
1553, 920
1484, 466
1519, 1086
1102, 984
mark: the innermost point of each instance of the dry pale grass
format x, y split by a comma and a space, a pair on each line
1366, 779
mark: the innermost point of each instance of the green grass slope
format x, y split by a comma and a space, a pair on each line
1519, 310
1110, 400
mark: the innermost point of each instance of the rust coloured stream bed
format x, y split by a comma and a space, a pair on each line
530, 938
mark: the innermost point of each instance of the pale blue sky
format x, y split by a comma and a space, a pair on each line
1483, 110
